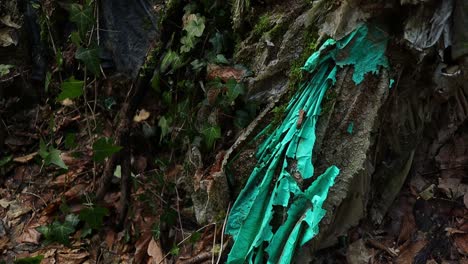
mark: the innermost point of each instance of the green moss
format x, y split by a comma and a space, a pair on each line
295, 73
328, 101
277, 31
262, 26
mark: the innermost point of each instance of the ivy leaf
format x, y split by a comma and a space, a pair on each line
47, 81
5, 69
81, 16
164, 124
70, 141
104, 148
53, 157
210, 135
90, 58
94, 216
234, 89
197, 65
170, 59
195, 25
4, 161
188, 43
221, 59
43, 149
72, 220
57, 232
217, 41
75, 38
71, 89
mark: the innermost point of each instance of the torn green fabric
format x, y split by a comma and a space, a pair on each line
274, 191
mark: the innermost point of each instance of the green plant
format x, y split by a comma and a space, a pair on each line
93, 217
51, 155
263, 25
5, 69
30, 260
60, 232
104, 148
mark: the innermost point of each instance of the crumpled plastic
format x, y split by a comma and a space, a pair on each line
285, 159
424, 29
129, 28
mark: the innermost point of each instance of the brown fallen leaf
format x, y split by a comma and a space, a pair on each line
141, 248
408, 226
4, 243
358, 253
224, 72
461, 242
30, 235
451, 231
74, 256
25, 159
453, 187
408, 253
155, 252
141, 115
465, 200
16, 210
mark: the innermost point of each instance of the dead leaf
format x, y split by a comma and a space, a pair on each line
75, 191
155, 252
6, 20
461, 242
110, 238
16, 210
25, 159
428, 193
451, 231
408, 253
141, 115
5, 203
4, 243
72, 256
408, 226
141, 248
30, 235
465, 200
224, 72
67, 102
7, 37
358, 253
453, 187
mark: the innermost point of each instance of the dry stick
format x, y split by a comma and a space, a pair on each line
125, 177
178, 213
86, 103
113, 160
214, 244
222, 234
181, 242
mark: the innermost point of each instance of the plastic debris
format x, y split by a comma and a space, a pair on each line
390, 85
422, 34
350, 128
274, 189
129, 28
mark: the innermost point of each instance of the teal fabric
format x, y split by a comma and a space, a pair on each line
285, 159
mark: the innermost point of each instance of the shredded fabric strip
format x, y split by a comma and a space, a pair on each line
275, 214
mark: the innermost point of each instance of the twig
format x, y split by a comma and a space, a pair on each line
181, 242
222, 234
33, 194
178, 213
213, 247
381, 246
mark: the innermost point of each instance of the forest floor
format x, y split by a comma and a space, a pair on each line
47, 211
